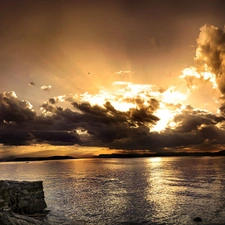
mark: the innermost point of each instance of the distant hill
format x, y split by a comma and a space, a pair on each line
22, 159
161, 154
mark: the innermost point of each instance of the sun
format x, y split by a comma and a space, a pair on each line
166, 117
136, 96
125, 96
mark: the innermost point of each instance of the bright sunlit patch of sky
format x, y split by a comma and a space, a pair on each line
46, 150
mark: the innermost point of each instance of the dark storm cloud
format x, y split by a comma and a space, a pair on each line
195, 129
141, 139
109, 114
13, 109
202, 125
190, 121
104, 126
153, 103
56, 137
19, 124
50, 106
15, 136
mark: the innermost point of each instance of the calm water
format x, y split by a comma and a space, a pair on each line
171, 190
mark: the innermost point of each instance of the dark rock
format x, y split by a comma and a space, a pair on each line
23, 197
20, 198
10, 218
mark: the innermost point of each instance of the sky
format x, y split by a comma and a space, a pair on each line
87, 77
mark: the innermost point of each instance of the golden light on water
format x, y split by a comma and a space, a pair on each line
155, 159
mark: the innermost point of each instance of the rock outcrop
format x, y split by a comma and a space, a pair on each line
10, 218
20, 199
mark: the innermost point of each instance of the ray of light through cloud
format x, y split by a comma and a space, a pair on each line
129, 115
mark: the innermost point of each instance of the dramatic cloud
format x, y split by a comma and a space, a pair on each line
210, 52
210, 55
88, 124
132, 116
84, 123
14, 110
13, 135
193, 78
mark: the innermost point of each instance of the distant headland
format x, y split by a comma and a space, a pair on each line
161, 154
27, 159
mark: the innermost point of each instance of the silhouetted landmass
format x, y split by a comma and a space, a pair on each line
22, 159
162, 154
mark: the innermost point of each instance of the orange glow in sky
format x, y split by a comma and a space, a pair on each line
111, 76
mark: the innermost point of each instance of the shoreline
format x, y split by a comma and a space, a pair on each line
30, 159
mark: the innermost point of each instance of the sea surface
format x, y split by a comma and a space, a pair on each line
157, 190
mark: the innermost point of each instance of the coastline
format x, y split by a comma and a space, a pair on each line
27, 159
162, 154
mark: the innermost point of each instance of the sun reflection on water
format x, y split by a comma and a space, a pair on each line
164, 199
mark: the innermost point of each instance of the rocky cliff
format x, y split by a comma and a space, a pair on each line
18, 200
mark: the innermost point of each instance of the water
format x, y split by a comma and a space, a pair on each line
169, 190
